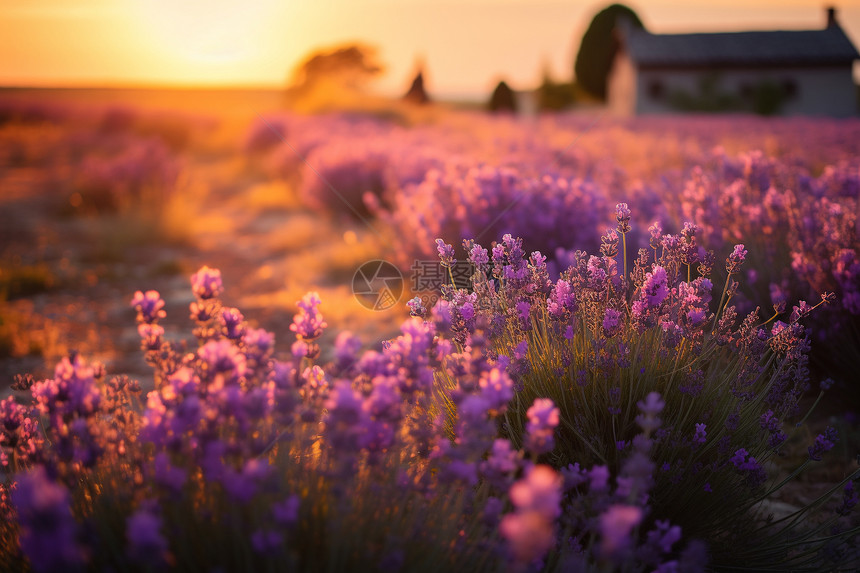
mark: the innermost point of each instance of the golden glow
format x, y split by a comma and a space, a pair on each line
208, 30
467, 45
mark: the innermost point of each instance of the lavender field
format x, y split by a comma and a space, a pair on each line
602, 345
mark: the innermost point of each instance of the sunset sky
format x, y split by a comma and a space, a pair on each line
467, 45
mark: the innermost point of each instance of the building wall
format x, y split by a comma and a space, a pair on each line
828, 91
621, 86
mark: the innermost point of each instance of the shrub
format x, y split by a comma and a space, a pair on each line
430, 453
598, 341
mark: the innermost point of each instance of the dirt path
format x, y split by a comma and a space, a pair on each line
78, 273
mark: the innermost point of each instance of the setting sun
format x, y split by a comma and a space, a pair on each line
208, 31
466, 46
410, 286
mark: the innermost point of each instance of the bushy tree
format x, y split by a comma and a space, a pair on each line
334, 75
503, 99
598, 48
553, 95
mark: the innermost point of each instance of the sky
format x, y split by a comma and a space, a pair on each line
466, 46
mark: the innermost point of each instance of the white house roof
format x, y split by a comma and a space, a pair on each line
733, 49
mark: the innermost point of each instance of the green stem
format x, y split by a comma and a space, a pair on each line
768, 320
720, 306
624, 247
811, 408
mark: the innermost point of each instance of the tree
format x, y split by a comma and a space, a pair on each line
552, 95
598, 48
503, 99
334, 75
417, 94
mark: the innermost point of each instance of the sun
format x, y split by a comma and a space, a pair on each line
210, 31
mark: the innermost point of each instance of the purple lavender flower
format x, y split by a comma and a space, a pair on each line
315, 381
308, 324
463, 314
72, 391
529, 535
446, 253
598, 478
346, 347
524, 314
206, 283
286, 513
701, 435
823, 443
146, 543
497, 389
707, 260
611, 322
149, 306
259, 344
748, 466
416, 307
49, 532
771, 423
672, 247
150, 336
622, 215
168, 475
614, 399
12, 416
609, 243
649, 408
345, 420
478, 256
492, 511
655, 288
562, 301
665, 535
200, 311
266, 541
736, 259
573, 476
596, 274
222, 363
501, 464
656, 232
543, 418
244, 484
616, 524
540, 491
849, 499
232, 323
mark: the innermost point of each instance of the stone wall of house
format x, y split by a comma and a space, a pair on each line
621, 86
825, 91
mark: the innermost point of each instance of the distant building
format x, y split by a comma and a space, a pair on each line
804, 72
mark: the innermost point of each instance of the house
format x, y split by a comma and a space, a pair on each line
796, 72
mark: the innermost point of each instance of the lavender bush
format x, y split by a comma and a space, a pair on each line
598, 340
788, 189
536, 437
464, 201
142, 175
